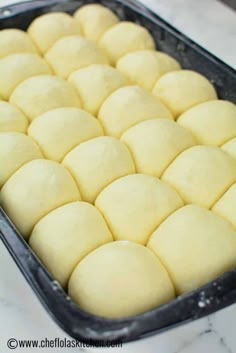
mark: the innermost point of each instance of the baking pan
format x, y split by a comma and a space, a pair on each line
201, 302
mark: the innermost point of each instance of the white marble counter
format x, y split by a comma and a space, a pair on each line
21, 315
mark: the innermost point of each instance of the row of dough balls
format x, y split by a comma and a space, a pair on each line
66, 51
158, 147
105, 93
97, 82
133, 207
96, 283
211, 123
18, 67
191, 173
69, 236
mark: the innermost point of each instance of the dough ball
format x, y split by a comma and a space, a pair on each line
230, 147
36, 189
213, 123
18, 67
15, 41
120, 279
66, 235
145, 67
60, 130
201, 174
124, 38
129, 106
95, 83
46, 29
16, 149
226, 205
94, 20
154, 144
135, 205
183, 89
96, 163
39, 94
73, 53
195, 246
12, 119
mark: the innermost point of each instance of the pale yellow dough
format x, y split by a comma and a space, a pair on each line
128, 106
16, 68
16, 149
96, 163
95, 83
36, 189
46, 29
15, 41
66, 235
135, 205
201, 174
195, 246
73, 53
12, 119
183, 89
120, 279
145, 67
226, 205
94, 20
58, 131
125, 37
213, 123
230, 147
39, 94
154, 144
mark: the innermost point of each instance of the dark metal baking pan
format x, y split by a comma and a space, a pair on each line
201, 302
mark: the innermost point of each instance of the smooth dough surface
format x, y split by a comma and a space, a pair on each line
226, 205
183, 89
230, 147
128, 106
46, 29
73, 53
125, 37
212, 123
135, 205
145, 67
16, 68
120, 279
201, 174
15, 41
94, 20
39, 94
66, 235
95, 83
195, 246
34, 190
96, 163
16, 149
154, 144
12, 119
58, 131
